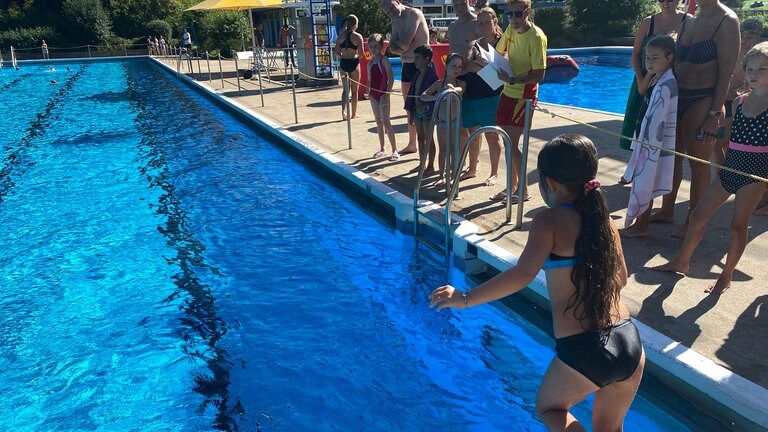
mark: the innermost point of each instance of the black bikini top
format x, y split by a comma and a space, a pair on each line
699, 52
347, 43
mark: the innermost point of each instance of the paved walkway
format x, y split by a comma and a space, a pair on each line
730, 329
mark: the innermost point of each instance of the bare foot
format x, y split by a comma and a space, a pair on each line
720, 286
408, 150
467, 175
672, 267
762, 211
429, 171
623, 181
660, 217
633, 232
343, 116
491, 181
680, 233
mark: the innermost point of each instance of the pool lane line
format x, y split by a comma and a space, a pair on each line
36, 128
12, 83
202, 324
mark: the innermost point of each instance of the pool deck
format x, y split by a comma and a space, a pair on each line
726, 334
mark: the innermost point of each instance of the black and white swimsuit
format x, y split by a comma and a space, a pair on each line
747, 149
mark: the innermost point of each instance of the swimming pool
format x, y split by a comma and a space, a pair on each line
168, 268
602, 83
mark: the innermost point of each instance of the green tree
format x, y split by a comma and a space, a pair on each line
596, 20
86, 21
222, 30
371, 18
131, 16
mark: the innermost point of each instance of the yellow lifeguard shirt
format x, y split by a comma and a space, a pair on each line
526, 52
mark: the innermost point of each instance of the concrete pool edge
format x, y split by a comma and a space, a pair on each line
737, 402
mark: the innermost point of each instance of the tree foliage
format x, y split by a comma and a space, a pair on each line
607, 18
223, 30
370, 16
86, 21
26, 37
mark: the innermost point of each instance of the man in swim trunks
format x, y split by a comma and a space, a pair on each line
44, 47
526, 48
409, 30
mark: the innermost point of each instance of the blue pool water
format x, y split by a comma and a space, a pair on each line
602, 83
167, 268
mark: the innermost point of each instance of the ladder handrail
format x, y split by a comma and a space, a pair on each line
455, 183
448, 92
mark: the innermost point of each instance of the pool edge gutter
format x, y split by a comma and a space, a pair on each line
737, 402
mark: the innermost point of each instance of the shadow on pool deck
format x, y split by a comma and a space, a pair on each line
730, 329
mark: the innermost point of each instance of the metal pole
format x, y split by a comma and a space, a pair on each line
89, 51
261, 87
208, 62
522, 175
293, 86
125, 50
221, 72
237, 75
199, 71
347, 91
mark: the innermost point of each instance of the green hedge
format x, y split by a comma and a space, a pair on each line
30, 37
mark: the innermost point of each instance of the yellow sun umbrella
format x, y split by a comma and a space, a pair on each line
239, 5
236, 5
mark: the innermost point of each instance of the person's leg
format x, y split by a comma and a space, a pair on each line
762, 206
285, 56
640, 227
613, 401
561, 388
380, 128
747, 199
355, 75
712, 200
473, 155
412, 138
442, 144
494, 151
385, 107
514, 133
700, 172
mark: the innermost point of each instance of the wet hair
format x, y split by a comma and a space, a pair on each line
452, 57
571, 160
496, 28
759, 50
665, 43
424, 51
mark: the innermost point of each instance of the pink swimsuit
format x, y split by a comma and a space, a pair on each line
379, 81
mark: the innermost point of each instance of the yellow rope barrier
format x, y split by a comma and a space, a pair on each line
676, 153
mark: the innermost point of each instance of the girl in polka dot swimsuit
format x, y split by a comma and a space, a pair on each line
747, 152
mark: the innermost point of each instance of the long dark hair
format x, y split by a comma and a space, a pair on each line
572, 161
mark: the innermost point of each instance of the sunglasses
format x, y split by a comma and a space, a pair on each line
516, 14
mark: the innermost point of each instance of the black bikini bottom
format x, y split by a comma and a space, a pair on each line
689, 97
605, 357
349, 65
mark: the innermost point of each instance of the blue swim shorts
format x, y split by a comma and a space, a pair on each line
479, 112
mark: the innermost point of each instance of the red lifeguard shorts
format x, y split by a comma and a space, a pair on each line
511, 112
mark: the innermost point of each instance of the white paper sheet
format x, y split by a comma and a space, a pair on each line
496, 62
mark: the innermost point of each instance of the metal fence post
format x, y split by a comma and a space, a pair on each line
522, 180
293, 85
208, 62
221, 72
237, 75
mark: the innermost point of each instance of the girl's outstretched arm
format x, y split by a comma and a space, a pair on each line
541, 240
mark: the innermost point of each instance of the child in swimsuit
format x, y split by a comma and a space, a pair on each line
650, 169
748, 153
575, 241
380, 81
420, 112
454, 64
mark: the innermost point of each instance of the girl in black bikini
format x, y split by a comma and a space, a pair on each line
577, 244
349, 49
